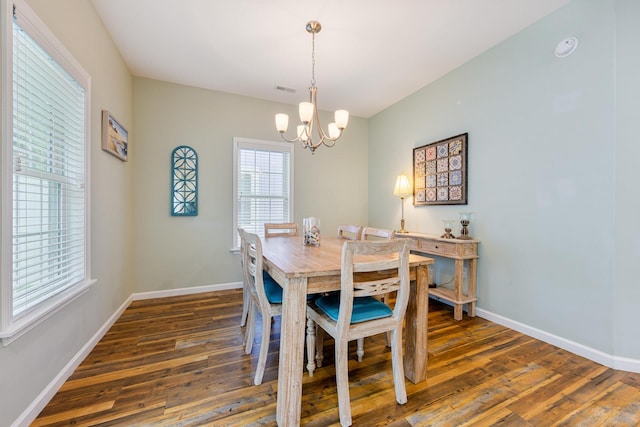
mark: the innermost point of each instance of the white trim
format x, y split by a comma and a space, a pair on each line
39, 403
33, 319
185, 291
258, 144
608, 360
6, 264
10, 327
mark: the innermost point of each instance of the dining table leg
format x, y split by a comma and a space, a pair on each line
416, 325
290, 370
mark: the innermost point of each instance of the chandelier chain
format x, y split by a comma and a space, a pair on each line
313, 59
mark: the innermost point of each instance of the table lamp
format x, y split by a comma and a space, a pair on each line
402, 189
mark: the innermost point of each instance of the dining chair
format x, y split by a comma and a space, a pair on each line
245, 289
270, 230
280, 229
265, 297
372, 233
354, 312
350, 232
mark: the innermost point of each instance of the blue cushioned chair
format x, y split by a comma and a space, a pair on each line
354, 313
264, 296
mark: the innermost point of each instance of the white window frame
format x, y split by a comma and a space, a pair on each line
258, 144
12, 327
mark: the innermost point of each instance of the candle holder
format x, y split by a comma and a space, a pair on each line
448, 225
465, 218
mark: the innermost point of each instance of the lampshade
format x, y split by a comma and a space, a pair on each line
402, 188
306, 112
282, 122
342, 118
334, 131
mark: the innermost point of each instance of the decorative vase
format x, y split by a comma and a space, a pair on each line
311, 231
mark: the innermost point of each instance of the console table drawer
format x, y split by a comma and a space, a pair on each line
441, 248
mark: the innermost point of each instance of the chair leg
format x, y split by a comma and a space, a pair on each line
311, 346
398, 365
245, 306
319, 346
342, 380
251, 328
387, 300
264, 349
360, 349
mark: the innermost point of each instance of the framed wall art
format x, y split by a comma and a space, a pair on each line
184, 181
440, 172
115, 138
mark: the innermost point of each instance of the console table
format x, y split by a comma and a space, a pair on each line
460, 251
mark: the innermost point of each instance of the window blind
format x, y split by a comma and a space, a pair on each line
263, 186
49, 231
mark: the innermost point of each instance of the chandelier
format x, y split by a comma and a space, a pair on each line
308, 111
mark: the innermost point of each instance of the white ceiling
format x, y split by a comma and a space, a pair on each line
369, 54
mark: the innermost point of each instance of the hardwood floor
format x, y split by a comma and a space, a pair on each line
179, 362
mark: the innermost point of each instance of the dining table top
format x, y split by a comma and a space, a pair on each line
295, 259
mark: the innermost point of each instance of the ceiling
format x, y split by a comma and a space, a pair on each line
369, 54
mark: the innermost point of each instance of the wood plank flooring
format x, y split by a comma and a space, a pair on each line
180, 362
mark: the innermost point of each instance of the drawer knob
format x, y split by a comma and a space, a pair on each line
436, 246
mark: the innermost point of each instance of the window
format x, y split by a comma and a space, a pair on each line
45, 175
262, 185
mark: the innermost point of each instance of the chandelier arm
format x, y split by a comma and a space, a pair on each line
287, 139
331, 143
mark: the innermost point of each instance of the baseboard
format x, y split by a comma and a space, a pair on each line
619, 363
32, 411
185, 291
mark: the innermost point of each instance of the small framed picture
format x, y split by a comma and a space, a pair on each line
440, 172
115, 138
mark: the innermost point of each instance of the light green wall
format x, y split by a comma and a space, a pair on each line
175, 252
549, 179
31, 362
627, 208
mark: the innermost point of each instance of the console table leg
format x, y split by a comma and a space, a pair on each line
473, 267
458, 279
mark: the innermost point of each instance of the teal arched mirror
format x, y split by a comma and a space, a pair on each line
184, 181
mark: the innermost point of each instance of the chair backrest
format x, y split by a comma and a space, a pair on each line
282, 229
377, 234
349, 232
390, 255
251, 251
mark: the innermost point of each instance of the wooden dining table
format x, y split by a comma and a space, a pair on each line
303, 270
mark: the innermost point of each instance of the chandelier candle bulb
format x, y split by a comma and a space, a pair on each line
342, 118
282, 122
334, 131
306, 112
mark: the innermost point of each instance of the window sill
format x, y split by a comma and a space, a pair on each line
33, 319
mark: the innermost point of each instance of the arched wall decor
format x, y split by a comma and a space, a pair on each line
184, 181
